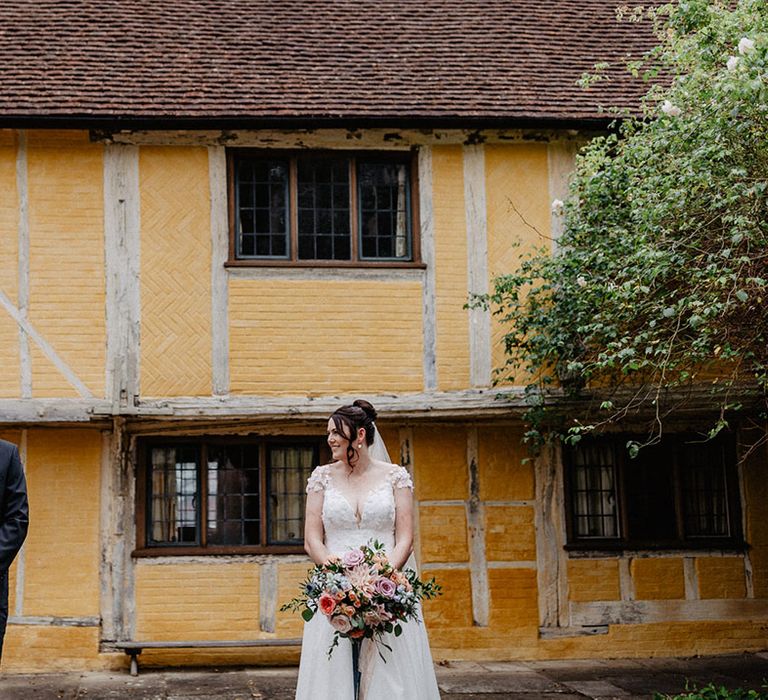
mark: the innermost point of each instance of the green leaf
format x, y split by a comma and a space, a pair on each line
307, 614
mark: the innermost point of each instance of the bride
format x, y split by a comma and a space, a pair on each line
356, 498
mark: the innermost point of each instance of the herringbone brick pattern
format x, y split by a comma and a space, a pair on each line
67, 284
175, 272
518, 207
305, 336
10, 384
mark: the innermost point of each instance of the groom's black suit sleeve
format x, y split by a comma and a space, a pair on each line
14, 509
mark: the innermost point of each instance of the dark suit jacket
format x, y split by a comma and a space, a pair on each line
14, 509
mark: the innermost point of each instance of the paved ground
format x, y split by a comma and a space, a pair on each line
546, 680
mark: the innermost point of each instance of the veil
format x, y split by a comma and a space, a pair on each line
378, 450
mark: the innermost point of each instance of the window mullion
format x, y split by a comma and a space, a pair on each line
202, 498
677, 481
621, 492
354, 212
263, 496
293, 198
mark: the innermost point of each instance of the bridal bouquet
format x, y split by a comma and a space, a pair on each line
362, 595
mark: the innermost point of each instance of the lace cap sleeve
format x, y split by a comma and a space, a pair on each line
401, 479
318, 479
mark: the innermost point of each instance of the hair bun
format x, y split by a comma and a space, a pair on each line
370, 411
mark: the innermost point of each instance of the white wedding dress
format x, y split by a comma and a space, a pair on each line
408, 673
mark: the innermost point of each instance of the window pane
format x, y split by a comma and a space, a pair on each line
593, 490
262, 207
384, 194
650, 494
323, 216
289, 468
233, 494
173, 494
705, 503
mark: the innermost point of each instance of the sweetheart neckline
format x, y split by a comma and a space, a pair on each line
358, 514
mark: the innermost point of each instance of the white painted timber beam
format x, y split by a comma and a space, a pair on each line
429, 286
22, 189
121, 241
477, 264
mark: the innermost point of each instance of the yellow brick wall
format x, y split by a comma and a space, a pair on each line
504, 476
510, 533
10, 383
593, 579
517, 200
440, 462
658, 578
66, 266
289, 576
175, 271
721, 577
513, 599
443, 533
62, 547
35, 648
197, 601
312, 336
450, 232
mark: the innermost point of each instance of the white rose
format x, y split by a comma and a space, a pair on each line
732, 62
670, 110
746, 46
557, 206
581, 281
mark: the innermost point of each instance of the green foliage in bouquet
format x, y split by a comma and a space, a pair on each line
660, 278
362, 595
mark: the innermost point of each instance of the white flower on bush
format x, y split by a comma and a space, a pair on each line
746, 46
732, 62
557, 206
581, 281
670, 110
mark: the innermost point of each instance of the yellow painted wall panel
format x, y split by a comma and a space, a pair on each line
452, 609
440, 462
35, 648
514, 598
175, 271
450, 231
504, 476
197, 601
289, 576
510, 534
756, 497
721, 577
658, 579
313, 336
593, 579
443, 534
517, 200
62, 547
10, 383
66, 265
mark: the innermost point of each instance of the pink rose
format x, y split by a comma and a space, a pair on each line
341, 623
327, 604
353, 557
385, 587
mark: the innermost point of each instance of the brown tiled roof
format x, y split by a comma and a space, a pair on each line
416, 61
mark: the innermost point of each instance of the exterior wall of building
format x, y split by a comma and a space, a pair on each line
489, 522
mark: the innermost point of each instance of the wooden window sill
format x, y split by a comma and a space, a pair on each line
326, 263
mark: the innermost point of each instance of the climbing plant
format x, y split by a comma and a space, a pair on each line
659, 282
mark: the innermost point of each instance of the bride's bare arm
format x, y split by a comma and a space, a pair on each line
403, 527
313, 528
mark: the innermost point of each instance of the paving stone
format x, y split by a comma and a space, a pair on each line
597, 689
506, 666
498, 682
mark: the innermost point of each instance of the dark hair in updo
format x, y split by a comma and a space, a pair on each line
349, 419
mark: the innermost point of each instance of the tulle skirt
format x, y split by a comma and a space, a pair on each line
406, 673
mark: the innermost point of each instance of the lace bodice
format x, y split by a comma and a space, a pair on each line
377, 511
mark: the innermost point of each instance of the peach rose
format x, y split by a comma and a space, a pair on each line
341, 623
327, 604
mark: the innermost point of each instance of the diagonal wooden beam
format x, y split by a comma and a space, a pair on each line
45, 346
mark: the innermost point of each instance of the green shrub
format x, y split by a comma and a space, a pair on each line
713, 692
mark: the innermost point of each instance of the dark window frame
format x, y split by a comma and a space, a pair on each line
357, 260
143, 476
625, 541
